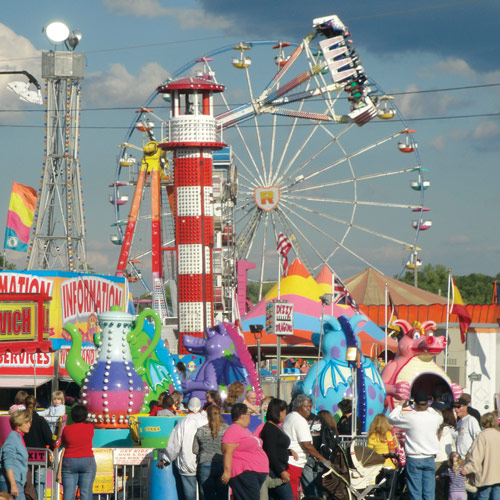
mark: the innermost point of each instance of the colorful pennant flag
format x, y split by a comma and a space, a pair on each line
458, 308
495, 297
393, 315
20, 217
283, 246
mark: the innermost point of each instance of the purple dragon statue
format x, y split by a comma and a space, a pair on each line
227, 360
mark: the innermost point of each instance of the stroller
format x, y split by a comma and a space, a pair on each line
354, 475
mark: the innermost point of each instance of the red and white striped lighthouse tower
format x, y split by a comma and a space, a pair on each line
192, 136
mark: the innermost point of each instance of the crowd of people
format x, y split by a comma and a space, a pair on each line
447, 448
33, 429
451, 451
267, 463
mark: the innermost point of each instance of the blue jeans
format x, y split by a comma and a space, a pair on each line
186, 485
283, 492
484, 493
78, 472
421, 478
40, 477
189, 486
5, 486
211, 487
246, 486
309, 477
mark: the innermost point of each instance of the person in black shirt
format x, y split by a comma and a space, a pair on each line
344, 425
313, 470
39, 436
275, 443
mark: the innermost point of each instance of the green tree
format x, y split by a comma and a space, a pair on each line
253, 290
475, 288
5, 265
431, 278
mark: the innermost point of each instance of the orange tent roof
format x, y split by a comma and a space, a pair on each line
296, 268
412, 304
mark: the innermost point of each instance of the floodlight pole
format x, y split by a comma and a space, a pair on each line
257, 331
58, 235
326, 300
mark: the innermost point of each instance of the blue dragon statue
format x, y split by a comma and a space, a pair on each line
333, 374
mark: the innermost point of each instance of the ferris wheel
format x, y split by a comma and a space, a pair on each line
318, 154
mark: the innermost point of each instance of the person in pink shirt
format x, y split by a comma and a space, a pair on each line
245, 463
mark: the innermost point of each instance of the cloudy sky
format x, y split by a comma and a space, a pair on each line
440, 60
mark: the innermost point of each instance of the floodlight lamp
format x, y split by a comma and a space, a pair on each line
25, 93
56, 32
326, 299
256, 328
73, 39
352, 353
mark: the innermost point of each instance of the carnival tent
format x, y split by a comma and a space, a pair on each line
301, 289
368, 288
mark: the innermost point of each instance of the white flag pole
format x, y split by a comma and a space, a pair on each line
385, 309
333, 289
278, 340
448, 310
280, 267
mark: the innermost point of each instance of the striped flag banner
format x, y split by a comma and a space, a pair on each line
283, 246
20, 217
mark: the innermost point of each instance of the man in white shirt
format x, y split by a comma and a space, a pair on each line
467, 428
180, 450
421, 444
297, 429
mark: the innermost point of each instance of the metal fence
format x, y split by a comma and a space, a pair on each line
130, 482
41, 465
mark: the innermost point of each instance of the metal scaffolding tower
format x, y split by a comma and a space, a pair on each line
58, 237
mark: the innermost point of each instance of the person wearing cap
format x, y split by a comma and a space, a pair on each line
467, 427
179, 450
465, 398
421, 444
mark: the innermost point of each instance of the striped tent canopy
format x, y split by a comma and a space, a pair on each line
304, 292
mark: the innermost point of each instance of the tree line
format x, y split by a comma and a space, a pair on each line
475, 288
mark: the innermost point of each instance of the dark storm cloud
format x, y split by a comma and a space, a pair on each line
467, 29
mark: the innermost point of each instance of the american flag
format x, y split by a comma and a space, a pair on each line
283, 246
342, 296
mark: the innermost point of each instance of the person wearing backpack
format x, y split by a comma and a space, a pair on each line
324, 437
